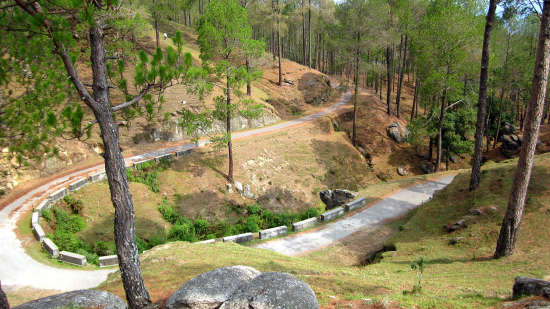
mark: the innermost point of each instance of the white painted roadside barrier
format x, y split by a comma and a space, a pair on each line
72, 258
273, 232
240, 238
304, 224
332, 214
360, 202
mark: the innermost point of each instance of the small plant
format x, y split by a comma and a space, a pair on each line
47, 214
74, 204
418, 265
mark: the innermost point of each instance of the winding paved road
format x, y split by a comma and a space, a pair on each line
391, 207
17, 269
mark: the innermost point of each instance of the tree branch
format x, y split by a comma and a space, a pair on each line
136, 98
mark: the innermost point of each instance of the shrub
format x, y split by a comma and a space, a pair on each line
91, 258
251, 224
142, 245
202, 228
47, 214
167, 211
254, 209
156, 240
144, 175
66, 241
101, 248
75, 205
184, 232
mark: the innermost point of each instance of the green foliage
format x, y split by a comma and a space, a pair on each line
101, 248
147, 174
418, 266
75, 205
47, 214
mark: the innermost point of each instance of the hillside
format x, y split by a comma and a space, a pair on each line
455, 276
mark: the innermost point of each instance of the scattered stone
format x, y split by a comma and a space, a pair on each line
427, 167
397, 132
526, 286
453, 158
475, 212
529, 304
458, 225
289, 81
77, 299
229, 187
273, 290
492, 208
211, 289
456, 240
239, 187
336, 197
402, 171
247, 193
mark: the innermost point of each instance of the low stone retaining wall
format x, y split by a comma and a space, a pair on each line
166, 157
75, 186
208, 241
72, 258
183, 153
97, 177
304, 224
360, 202
273, 232
240, 238
49, 246
140, 163
57, 195
35, 218
332, 214
38, 232
44, 205
108, 260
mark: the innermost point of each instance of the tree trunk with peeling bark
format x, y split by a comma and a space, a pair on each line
512, 219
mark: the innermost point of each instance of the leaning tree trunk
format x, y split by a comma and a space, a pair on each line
125, 233
514, 213
228, 131
356, 94
482, 98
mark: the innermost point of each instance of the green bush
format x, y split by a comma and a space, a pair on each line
101, 248
156, 240
145, 175
167, 211
75, 205
66, 241
142, 245
183, 232
47, 214
91, 258
254, 209
202, 228
251, 224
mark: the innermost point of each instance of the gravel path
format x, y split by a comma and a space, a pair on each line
17, 269
391, 207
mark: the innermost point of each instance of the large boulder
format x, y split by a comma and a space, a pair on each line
510, 145
526, 286
315, 88
336, 197
427, 167
509, 129
397, 132
273, 290
77, 299
211, 289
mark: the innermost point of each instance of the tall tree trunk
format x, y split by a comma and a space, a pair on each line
356, 93
482, 98
280, 83
125, 235
440, 127
514, 213
309, 32
401, 71
389, 72
415, 100
248, 84
228, 131
273, 44
156, 20
304, 41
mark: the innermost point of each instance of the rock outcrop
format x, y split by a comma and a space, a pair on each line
336, 197
526, 286
77, 299
211, 289
397, 132
315, 88
272, 291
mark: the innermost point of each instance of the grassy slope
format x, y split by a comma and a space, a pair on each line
460, 276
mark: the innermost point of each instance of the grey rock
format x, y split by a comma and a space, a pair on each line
458, 225
475, 212
526, 286
229, 187
509, 128
80, 299
289, 81
453, 158
456, 240
336, 197
397, 132
247, 193
211, 289
273, 290
402, 171
239, 187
